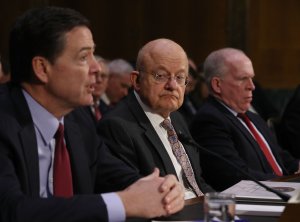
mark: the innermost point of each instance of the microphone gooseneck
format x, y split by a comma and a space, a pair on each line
185, 139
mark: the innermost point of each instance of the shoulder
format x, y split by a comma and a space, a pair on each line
120, 110
14, 110
178, 120
211, 109
126, 111
82, 124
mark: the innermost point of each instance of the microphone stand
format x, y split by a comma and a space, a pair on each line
185, 139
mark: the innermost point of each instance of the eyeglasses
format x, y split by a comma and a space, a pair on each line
181, 79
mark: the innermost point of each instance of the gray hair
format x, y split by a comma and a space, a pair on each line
103, 62
119, 67
216, 63
99, 58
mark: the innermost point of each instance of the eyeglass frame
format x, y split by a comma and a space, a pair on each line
166, 78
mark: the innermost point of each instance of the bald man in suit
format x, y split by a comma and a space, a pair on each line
134, 127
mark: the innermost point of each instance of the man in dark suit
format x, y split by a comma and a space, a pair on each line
135, 124
119, 82
66, 174
228, 74
99, 107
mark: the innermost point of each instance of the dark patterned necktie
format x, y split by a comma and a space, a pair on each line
261, 144
62, 175
181, 156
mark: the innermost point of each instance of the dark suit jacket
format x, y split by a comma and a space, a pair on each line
187, 110
289, 127
94, 169
136, 141
217, 129
103, 109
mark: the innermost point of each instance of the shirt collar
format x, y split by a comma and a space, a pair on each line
227, 107
43, 120
150, 113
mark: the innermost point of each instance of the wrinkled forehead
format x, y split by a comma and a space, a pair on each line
239, 60
235, 56
169, 58
240, 66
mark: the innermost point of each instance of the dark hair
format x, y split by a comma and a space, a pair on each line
40, 32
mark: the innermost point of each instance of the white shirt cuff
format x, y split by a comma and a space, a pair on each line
115, 208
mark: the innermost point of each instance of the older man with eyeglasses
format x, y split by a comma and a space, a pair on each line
99, 107
143, 126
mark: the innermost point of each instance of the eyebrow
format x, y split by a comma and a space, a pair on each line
88, 48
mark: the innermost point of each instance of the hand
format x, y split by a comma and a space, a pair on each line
174, 199
153, 196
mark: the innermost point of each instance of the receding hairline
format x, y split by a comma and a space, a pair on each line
155, 47
226, 54
218, 62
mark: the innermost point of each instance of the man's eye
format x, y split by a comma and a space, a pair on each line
161, 76
180, 77
83, 58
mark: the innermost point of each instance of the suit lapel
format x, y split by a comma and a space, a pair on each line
28, 140
150, 132
242, 128
29, 145
267, 138
192, 151
235, 121
247, 135
79, 163
29, 148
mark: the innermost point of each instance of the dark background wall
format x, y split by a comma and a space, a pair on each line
268, 31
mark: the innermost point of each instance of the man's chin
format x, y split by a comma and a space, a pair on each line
171, 108
88, 101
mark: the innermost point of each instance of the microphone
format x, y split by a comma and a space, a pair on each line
185, 139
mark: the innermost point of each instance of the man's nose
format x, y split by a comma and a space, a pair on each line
171, 83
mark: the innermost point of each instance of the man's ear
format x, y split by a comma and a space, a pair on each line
135, 80
215, 84
40, 68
